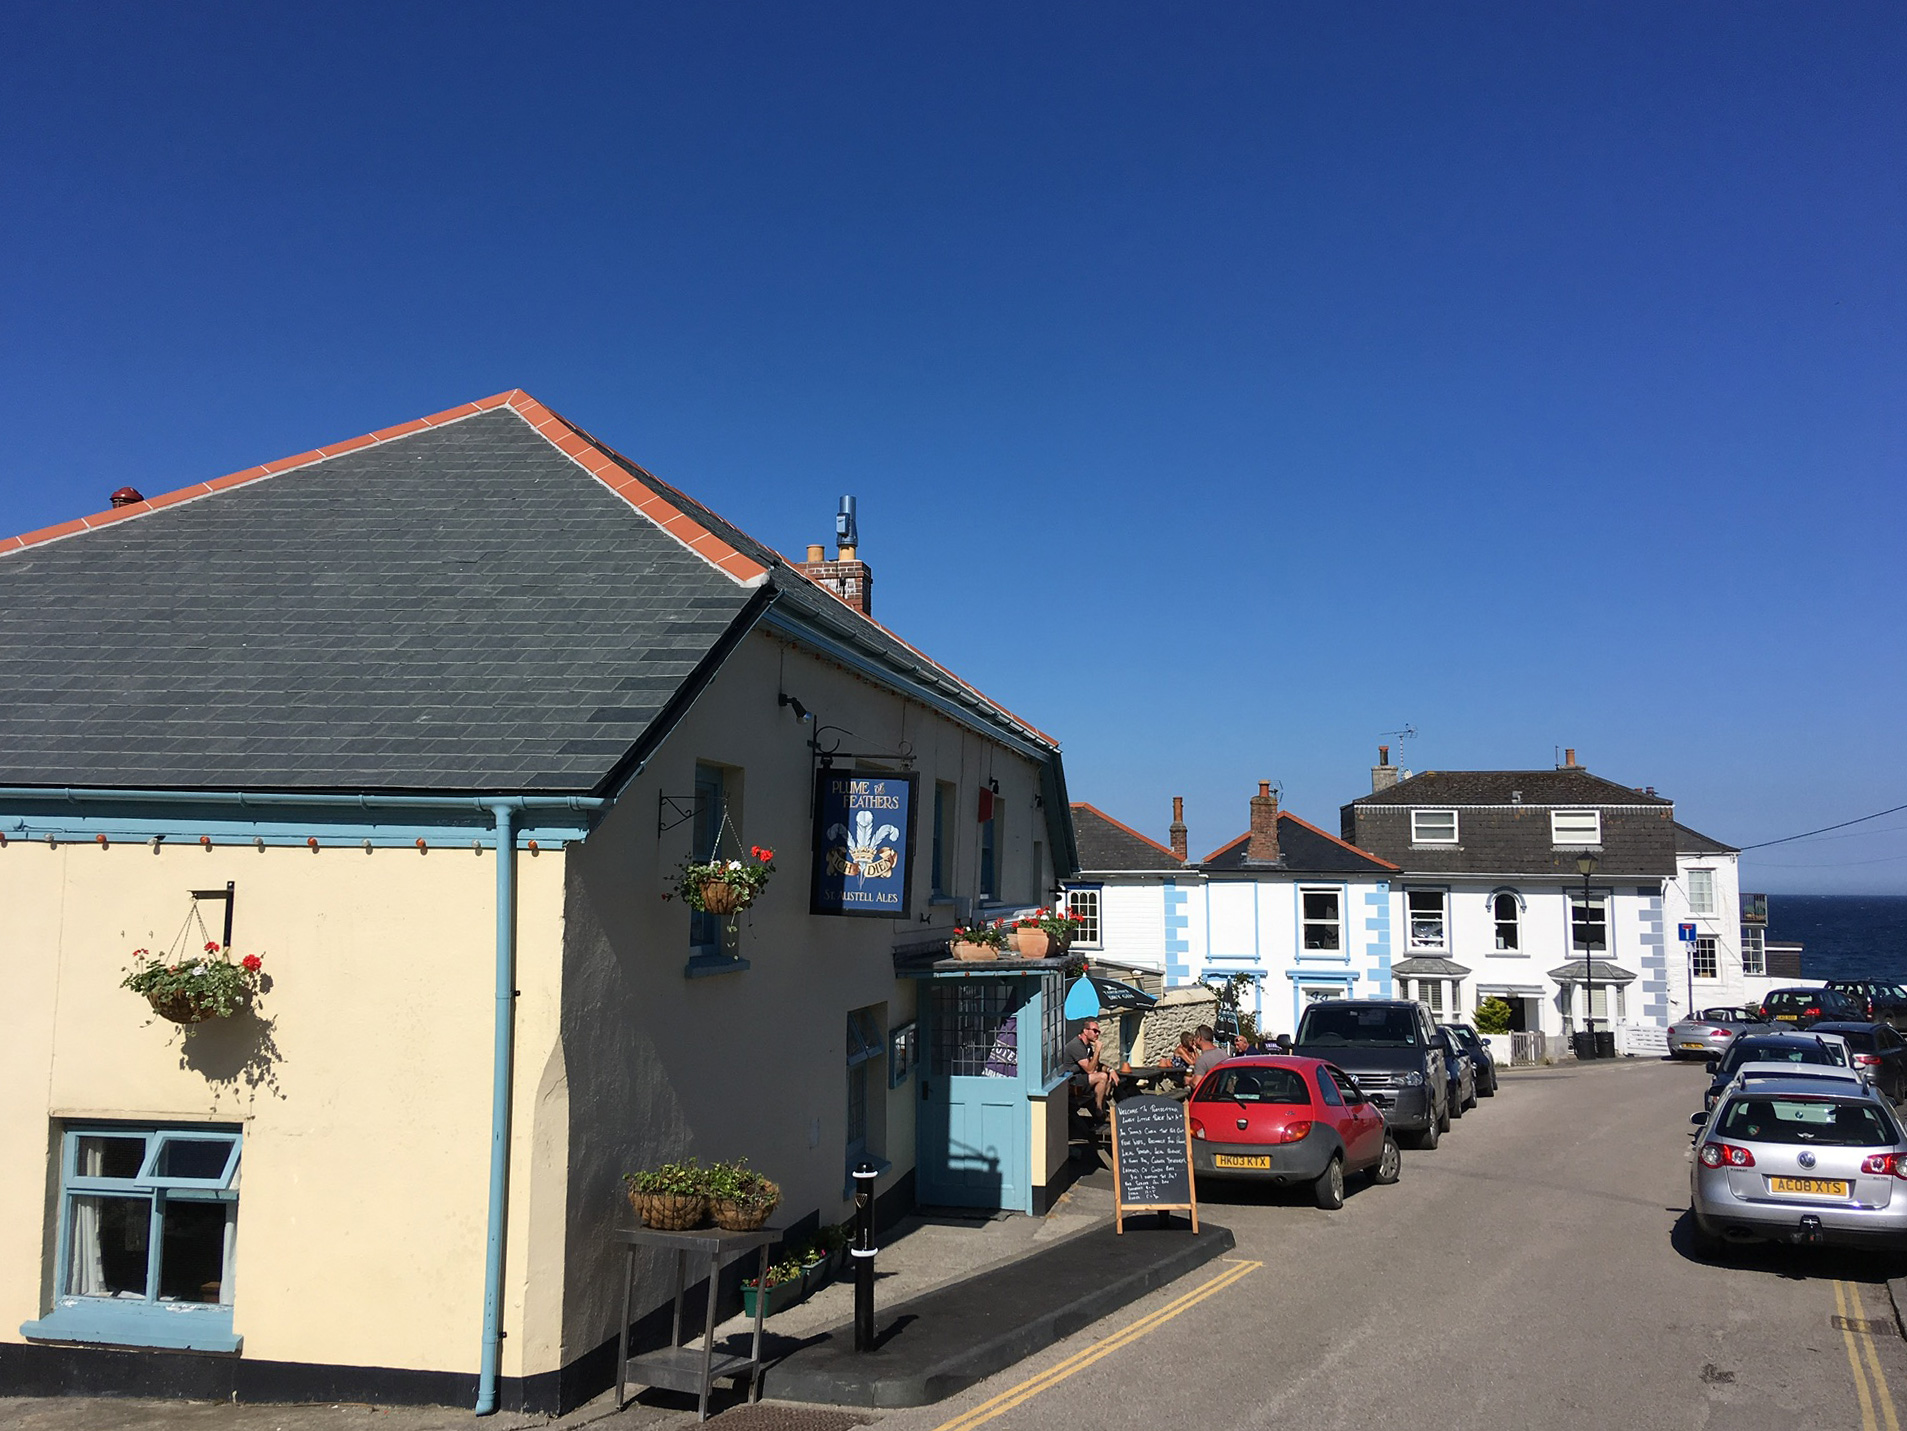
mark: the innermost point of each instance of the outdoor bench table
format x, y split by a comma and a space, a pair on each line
691, 1368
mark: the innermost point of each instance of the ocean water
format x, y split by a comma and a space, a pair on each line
1843, 936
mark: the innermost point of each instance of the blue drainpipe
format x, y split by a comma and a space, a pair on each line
502, 1063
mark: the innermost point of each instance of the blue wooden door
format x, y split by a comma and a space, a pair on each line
973, 1134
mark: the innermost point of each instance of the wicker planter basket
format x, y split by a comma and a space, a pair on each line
669, 1212
744, 1215
180, 1008
973, 953
720, 897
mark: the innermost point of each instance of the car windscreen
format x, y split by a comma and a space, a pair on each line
1746, 1050
1349, 1027
1254, 1085
1826, 1122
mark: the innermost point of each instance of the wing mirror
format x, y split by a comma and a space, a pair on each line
1714, 1066
1284, 1042
1697, 1119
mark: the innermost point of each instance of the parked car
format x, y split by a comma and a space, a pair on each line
1390, 1047
1462, 1072
1823, 1049
1799, 1008
1789, 1162
1875, 1049
1706, 1034
1289, 1120
1480, 1055
1883, 1003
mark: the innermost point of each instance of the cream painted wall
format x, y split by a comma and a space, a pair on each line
363, 1084
749, 1063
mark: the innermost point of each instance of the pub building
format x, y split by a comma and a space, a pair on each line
427, 723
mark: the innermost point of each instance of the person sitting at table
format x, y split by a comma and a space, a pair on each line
1211, 1053
1182, 1057
1081, 1057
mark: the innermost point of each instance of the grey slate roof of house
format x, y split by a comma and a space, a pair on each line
457, 608
1694, 842
1571, 785
1106, 845
1304, 849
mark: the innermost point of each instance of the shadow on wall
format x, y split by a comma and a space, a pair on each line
237, 1052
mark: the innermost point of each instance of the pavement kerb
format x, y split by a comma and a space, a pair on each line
1897, 1293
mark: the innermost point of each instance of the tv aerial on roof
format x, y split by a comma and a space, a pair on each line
1409, 732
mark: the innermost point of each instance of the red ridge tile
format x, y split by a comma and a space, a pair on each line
338, 449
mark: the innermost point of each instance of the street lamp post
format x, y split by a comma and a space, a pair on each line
1587, 864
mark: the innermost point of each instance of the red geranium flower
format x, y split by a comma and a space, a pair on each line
211, 946
252, 963
764, 855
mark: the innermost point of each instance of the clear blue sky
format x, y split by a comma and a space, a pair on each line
1222, 386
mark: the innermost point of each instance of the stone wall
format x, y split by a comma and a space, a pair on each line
1176, 1011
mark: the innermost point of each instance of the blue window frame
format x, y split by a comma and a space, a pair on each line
147, 1222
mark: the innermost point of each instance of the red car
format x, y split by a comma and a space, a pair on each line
1289, 1120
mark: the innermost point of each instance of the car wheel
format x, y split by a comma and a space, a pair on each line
1427, 1139
1707, 1245
1390, 1163
1443, 1117
1328, 1190
1457, 1105
1473, 1097
1488, 1090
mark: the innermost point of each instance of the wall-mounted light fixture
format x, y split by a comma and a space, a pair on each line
801, 711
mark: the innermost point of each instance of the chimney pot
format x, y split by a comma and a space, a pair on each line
816, 553
1178, 827
1383, 755
1569, 756
1261, 846
126, 496
845, 576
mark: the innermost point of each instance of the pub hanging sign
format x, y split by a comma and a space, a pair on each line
863, 843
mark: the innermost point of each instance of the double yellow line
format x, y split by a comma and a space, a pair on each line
1847, 1301
1079, 1361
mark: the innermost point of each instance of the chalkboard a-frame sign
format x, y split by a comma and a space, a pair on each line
1151, 1158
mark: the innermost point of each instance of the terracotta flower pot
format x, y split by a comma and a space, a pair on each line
968, 950
1034, 942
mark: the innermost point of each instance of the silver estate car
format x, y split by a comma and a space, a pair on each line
1800, 1161
1706, 1034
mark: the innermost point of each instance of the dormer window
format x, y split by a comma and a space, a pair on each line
1433, 827
1575, 827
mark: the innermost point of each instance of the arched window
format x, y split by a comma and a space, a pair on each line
1503, 907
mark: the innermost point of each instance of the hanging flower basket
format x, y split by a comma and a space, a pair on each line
725, 888
189, 989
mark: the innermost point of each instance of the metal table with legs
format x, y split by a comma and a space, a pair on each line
691, 1368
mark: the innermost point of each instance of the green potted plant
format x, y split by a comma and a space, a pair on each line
977, 941
834, 1240
740, 1199
725, 888
785, 1287
194, 987
673, 1197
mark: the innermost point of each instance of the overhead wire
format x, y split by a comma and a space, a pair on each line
1807, 834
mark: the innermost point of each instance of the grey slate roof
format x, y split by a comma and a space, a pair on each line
1304, 849
1107, 845
1694, 842
1571, 785
459, 609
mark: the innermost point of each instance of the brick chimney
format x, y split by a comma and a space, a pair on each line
1178, 827
846, 576
1383, 774
1261, 847
1569, 757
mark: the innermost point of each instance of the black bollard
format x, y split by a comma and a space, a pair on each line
863, 1253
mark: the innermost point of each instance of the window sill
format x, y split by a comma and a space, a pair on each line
703, 966
171, 1326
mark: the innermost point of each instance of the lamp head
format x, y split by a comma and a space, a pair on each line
1585, 865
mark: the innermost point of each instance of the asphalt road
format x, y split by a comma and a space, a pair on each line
1531, 1272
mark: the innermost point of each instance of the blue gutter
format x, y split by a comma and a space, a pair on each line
503, 808
501, 1068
